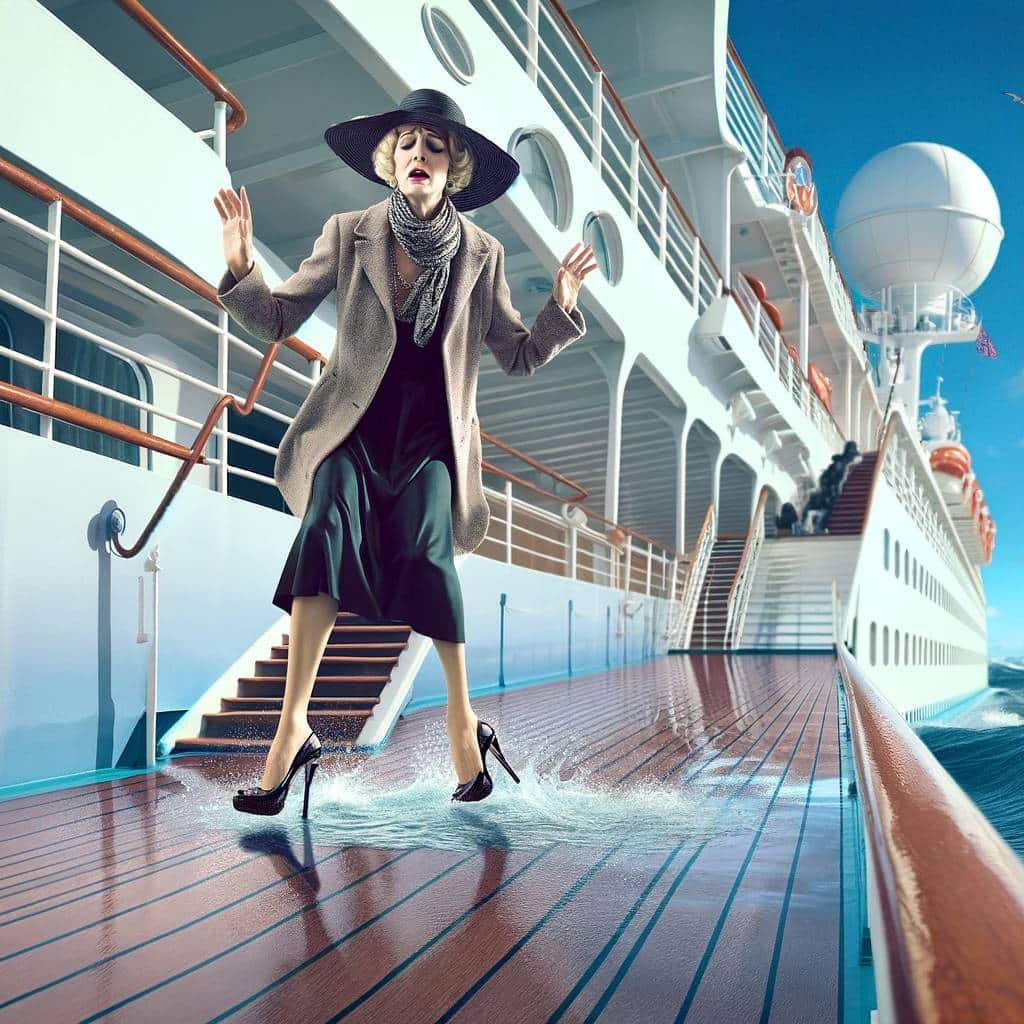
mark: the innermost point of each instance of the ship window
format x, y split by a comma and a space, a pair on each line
915, 574
906, 648
896, 647
897, 560
885, 549
873, 642
885, 645
546, 171
448, 43
600, 232
906, 566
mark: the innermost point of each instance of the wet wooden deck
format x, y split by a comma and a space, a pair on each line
119, 902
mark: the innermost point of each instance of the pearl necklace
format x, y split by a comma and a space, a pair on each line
399, 280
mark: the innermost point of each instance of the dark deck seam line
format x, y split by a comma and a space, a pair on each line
82, 799
634, 910
9, 804
709, 949
780, 933
677, 881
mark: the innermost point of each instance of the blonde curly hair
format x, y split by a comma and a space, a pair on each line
460, 156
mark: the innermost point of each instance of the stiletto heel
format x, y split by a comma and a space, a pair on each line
270, 801
481, 787
311, 767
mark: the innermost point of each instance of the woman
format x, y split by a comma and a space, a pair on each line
382, 461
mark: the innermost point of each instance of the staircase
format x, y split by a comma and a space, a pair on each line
356, 666
713, 606
847, 518
790, 605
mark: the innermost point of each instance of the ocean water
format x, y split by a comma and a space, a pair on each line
983, 749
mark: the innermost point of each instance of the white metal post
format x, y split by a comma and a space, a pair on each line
634, 181
53, 224
153, 565
572, 552
532, 36
764, 145
650, 551
663, 224
508, 522
695, 270
629, 561
222, 386
220, 129
596, 110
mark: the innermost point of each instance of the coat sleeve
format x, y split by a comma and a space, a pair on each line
519, 351
273, 315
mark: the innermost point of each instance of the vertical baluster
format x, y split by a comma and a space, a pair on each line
508, 522
596, 111
634, 181
54, 212
663, 224
650, 554
695, 272
532, 36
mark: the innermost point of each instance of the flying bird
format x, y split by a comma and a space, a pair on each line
1013, 96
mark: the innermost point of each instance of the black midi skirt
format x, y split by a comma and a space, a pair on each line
377, 532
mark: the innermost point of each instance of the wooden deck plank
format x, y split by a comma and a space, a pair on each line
152, 921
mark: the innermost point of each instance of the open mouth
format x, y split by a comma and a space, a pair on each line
419, 175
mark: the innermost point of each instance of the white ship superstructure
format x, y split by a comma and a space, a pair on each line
723, 367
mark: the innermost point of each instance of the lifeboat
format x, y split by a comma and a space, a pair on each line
951, 467
820, 385
757, 287
773, 314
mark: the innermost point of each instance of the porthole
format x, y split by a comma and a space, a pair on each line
601, 233
885, 645
546, 171
906, 566
885, 549
896, 647
448, 44
873, 642
897, 566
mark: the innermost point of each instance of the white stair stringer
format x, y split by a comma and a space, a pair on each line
790, 605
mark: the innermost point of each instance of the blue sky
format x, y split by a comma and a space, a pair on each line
845, 81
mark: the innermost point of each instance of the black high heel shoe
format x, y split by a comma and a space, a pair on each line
270, 801
480, 788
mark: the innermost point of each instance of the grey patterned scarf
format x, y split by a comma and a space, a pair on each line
430, 244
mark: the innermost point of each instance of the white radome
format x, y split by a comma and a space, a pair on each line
918, 213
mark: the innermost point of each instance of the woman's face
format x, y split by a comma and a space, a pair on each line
421, 166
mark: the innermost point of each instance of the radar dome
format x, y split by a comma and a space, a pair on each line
918, 213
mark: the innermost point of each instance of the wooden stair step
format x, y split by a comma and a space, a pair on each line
315, 704
344, 724
324, 686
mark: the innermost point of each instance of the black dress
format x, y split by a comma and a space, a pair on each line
377, 532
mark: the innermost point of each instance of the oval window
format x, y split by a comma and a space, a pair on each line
601, 233
448, 43
546, 171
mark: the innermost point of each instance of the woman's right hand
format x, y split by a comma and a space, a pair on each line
236, 221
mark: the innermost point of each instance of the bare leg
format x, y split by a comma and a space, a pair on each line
311, 624
461, 720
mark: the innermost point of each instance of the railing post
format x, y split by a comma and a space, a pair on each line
220, 130
572, 552
596, 110
508, 522
763, 169
53, 225
629, 562
222, 386
663, 224
634, 181
650, 553
532, 36
695, 272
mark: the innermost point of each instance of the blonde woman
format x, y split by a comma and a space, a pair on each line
382, 461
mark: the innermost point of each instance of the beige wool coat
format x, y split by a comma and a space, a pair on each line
351, 257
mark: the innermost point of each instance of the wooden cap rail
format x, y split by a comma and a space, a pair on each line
188, 60
949, 891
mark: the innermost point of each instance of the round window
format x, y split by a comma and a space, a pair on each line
448, 43
601, 232
546, 171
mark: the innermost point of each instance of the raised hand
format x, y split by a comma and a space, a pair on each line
579, 261
236, 221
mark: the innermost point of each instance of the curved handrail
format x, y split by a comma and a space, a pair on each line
947, 891
188, 60
698, 567
739, 592
621, 107
533, 464
626, 529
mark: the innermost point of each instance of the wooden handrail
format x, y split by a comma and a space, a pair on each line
948, 890
596, 66
534, 464
91, 421
188, 60
626, 529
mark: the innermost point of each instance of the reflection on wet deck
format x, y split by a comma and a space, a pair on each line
673, 853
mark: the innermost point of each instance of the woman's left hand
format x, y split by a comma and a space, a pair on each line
578, 262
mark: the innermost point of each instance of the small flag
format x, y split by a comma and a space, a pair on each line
983, 346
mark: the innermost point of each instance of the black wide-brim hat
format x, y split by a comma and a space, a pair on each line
494, 170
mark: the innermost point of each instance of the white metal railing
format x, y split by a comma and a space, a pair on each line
920, 308
524, 534
695, 578
773, 346
906, 470
748, 121
739, 596
580, 95
214, 384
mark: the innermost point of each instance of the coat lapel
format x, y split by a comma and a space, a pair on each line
372, 237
